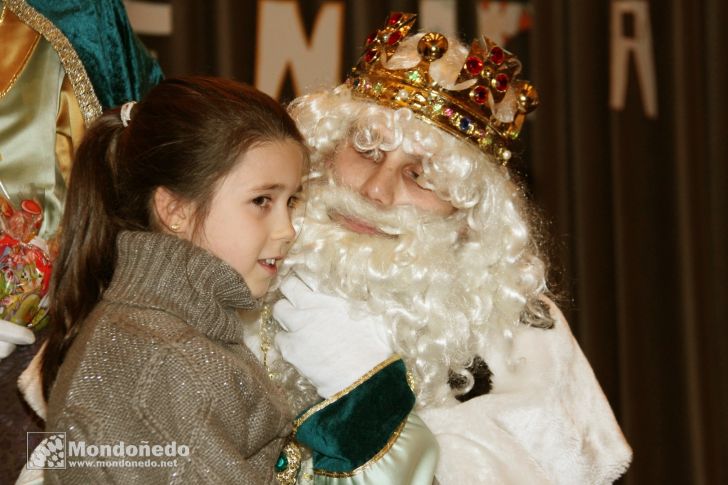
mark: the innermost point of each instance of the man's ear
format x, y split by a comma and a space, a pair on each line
173, 213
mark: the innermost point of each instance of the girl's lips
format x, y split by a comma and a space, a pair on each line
357, 225
271, 268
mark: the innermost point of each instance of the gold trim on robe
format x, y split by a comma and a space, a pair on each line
82, 87
14, 55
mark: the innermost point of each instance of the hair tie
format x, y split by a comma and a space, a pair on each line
125, 113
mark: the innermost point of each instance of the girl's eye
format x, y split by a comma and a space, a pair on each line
262, 201
293, 201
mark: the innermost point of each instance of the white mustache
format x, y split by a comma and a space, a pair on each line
393, 221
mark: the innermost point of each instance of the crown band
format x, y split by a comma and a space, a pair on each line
489, 111
434, 107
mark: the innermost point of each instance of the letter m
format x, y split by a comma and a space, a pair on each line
282, 45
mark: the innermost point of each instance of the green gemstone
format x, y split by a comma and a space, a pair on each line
437, 107
414, 76
378, 88
282, 463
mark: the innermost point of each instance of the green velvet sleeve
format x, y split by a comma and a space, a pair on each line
412, 460
368, 424
119, 66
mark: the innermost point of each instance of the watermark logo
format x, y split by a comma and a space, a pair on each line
49, 454
51, 450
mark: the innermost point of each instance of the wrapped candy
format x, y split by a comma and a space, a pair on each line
25, 264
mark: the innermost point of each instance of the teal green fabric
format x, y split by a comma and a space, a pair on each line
351, 430
119, 66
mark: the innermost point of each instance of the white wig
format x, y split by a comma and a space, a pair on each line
451, 287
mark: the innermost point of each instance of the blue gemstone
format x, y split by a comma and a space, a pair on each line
464, 123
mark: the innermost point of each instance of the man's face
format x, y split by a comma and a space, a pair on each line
388, 181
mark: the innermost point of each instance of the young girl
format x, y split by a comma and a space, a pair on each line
178, 215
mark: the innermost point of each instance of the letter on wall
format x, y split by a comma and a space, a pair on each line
282, 44
637, 41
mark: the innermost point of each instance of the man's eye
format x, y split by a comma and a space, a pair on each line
373, 154
293, 201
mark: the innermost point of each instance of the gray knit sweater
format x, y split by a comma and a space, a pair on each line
161, 359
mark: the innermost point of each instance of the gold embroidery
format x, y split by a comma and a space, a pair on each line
411, 381
291, 456
82, 87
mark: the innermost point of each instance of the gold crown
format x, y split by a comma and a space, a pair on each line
489, 107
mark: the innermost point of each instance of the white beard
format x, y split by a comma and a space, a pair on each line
420, 279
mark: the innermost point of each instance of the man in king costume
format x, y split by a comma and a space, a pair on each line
418, 251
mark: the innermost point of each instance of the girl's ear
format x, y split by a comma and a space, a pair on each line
173, 213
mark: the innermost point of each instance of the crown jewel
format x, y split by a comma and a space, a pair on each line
487, 105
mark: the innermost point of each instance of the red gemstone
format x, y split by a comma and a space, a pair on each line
394, 18
479, 94
497, 56
474, 65
394, 37
501, 82
371, 37
371, 54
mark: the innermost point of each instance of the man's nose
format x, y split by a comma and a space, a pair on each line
380, 185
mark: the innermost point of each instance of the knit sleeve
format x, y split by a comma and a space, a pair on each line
86, 451
171, 427
162, 416
180, 398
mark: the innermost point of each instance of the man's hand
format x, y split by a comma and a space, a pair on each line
12, 335
324, 341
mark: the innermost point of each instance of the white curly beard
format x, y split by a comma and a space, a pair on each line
417, 273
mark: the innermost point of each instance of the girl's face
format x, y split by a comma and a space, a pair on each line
249, 223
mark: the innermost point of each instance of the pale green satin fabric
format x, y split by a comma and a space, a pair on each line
28, 115
411, 460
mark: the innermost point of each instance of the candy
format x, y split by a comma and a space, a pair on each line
25, 265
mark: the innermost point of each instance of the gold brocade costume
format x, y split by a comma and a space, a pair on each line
40, 119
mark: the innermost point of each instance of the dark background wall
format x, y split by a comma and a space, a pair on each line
634, 185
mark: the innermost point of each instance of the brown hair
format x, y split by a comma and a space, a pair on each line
185, 136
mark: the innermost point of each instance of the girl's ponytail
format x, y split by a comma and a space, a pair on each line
85, 263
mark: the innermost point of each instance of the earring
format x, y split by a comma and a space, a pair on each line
174, 227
